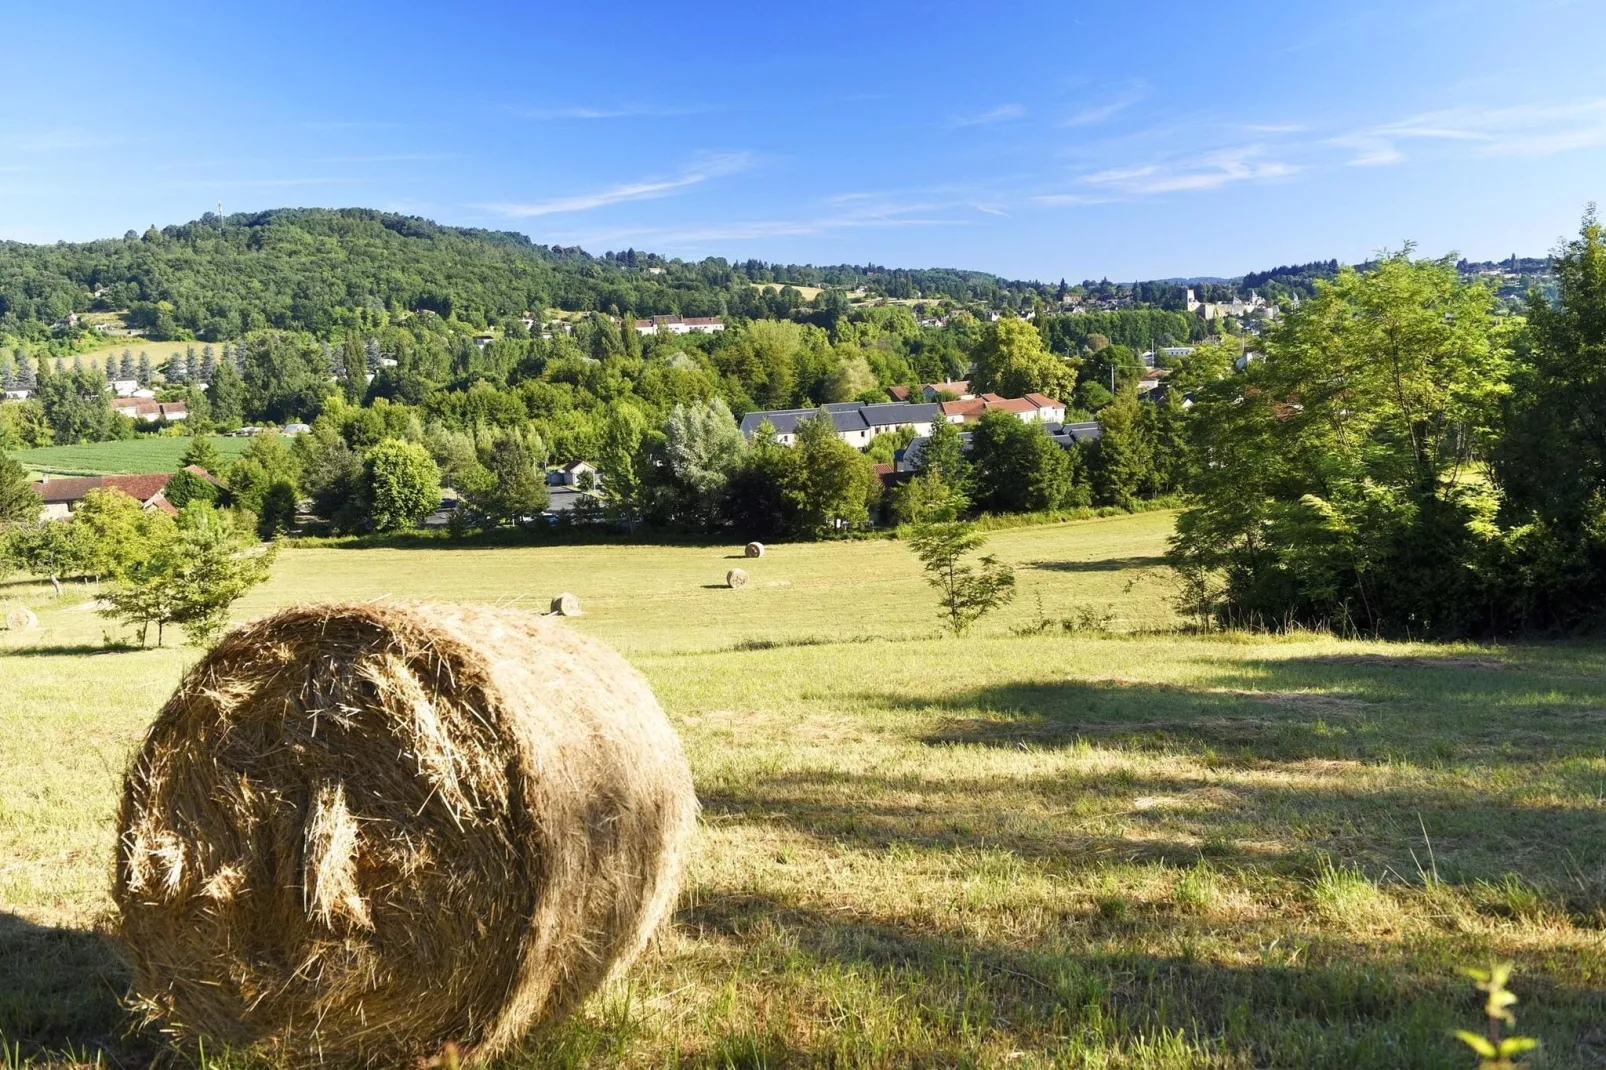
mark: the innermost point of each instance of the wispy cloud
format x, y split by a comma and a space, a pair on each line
710, 167
1518, 130
1101, 111
1002, 114
1212, 171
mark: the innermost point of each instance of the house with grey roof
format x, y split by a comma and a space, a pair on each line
855, 422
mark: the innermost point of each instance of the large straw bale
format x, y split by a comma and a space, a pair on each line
754, 549
21, 619
736, 578
566, 605
358, 832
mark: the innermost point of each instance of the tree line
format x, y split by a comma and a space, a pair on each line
1405, 461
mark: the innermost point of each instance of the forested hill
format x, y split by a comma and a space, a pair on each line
326, 271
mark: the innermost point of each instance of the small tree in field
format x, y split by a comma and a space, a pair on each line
191, 576
965, 591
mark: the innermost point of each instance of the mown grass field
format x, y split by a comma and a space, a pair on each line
134, 456
1051, 849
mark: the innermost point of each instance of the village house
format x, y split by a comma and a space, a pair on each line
856, 422
575, 474
63, 495
19, 394
149, 410
1033, 408
124, 388
680, 325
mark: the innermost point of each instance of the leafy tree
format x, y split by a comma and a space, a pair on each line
23, 425
758, 499
52, 549
1016, 467
1551, 461
194, 571
286, 376
278, 513
332, 476
266, 461
19, 502
186, 487
966, 592
116, 531
831, 484
77, 407
926, 499
401, 485
202, 454
227, 396
1123, 464
620, 458
704, 449
943, 454
515, 492
1012, 361
1333, 485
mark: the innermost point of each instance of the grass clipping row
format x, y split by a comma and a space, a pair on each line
358, 832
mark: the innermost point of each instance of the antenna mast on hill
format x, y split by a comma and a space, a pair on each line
220, 217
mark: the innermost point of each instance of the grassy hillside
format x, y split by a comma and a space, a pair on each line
1017, 850
132, 457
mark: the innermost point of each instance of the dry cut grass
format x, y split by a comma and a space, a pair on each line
1075, 850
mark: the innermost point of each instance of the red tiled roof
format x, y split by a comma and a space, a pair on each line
898, 393
973, 407
74, 488
1043, 401
197, 470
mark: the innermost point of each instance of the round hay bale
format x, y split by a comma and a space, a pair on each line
736, 579
755, 549
21, 619
566, 605
359, 832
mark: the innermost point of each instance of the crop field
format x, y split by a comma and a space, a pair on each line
158, 352
135, 456
1117, 844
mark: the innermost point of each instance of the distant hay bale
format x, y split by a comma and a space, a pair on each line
566, 605
359, 832
736, 579
21, 619
755, 549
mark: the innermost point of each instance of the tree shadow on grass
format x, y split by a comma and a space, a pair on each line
1420, 708
1356, 1006
1104, 564
60, 992
69, 650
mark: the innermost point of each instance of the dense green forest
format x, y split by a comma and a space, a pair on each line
328, 272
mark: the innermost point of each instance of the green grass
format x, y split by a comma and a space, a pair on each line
1080, 850
134, 456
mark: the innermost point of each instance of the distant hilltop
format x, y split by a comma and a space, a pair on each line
327, 271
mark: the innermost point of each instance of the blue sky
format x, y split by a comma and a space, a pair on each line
1128, 140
